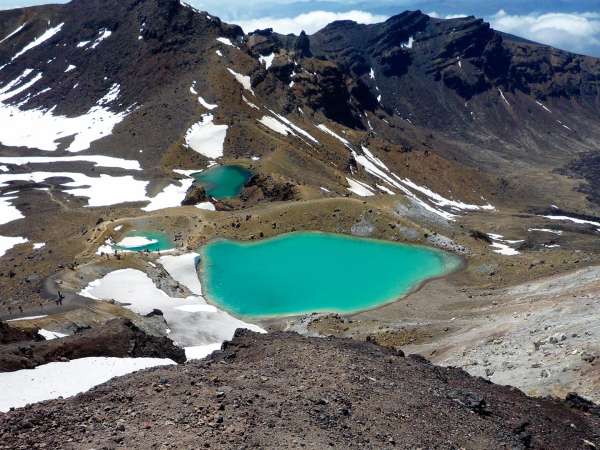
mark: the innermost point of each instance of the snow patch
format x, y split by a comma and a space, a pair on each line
359, 188
207, 138
207, 105
244, 80
267, 60
98, 160
13, 33
66, 379
9, 212
225, 41
170, 197
7, 243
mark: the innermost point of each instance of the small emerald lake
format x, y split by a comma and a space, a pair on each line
223, 182
300, 273
142, 241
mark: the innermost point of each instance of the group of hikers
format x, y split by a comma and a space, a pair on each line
59, 302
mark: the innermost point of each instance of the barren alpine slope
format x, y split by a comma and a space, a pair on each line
443, 133
285, 391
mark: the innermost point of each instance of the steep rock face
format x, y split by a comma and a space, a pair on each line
278, 390
118, 338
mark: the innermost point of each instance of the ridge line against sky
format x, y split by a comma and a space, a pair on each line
572, 25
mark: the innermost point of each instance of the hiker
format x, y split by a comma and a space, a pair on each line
60, 299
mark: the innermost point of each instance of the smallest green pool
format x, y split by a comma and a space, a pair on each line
223, 182
142, 241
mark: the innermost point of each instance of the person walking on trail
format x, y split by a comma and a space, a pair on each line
59, 300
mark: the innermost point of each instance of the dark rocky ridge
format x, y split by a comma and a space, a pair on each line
281, 391
118, 338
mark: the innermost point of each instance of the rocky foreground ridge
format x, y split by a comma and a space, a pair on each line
282, 391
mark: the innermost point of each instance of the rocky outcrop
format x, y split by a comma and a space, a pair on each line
281, 390
265, 187
195, 194
9, 335
117, 338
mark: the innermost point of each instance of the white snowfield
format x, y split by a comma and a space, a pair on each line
9, 212
66, 379
98, 160
207, 138
7, 243
193, 322
104, 190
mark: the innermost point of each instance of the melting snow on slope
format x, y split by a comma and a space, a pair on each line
275, 125
503, 246
546, 230
574, 220
359, 188
180, 268
207, 138
225, 41
170, 197
503, 97
377, 168
104, 34
344, 141
244, 80
409, 44
13, 33
191, 320
543, 106
66, 379
267, 60
40, 40
97, 123
207, 105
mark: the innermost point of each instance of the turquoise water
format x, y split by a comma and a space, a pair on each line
163, 242
223, 182
306, 272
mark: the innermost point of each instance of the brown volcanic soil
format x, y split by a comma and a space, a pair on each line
283, 391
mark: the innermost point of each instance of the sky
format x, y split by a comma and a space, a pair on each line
572, 25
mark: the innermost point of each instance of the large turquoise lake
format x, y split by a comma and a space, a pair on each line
306, 272
223, 182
